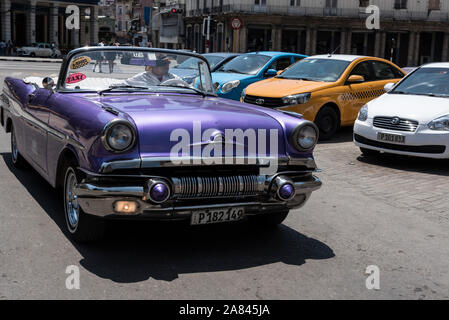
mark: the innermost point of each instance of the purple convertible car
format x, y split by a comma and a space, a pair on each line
135, 141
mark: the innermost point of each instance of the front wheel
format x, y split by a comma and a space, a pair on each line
327, 121
269, 220
82, 227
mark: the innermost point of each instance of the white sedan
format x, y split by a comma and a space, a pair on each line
39, 49
412, 118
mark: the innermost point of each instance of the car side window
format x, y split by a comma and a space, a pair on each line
281, 64
383, 71
363, 69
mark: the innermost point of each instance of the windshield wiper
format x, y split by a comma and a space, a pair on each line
204, 94
125, 86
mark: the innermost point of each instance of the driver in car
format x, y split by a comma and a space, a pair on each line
156, 73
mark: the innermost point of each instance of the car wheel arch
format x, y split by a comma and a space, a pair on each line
66, 156
332, 105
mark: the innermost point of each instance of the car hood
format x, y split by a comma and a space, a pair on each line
278, 88
223, 77
157, 117
420, 108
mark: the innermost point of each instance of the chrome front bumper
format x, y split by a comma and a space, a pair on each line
99, 198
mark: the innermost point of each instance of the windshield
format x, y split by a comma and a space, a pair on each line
425, 81
134, 70
328, 70
192, 63
246, 64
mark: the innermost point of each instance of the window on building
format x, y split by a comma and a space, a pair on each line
260, 2
295, 3
400, 4
434, 5
363, 3
331, 3
120, 10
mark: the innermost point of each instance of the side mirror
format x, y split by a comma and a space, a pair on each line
389, 86
356, 79
48, 83
271, 73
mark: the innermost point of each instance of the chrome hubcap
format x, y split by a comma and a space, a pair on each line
72, 206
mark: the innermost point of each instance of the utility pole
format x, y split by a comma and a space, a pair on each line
206, 23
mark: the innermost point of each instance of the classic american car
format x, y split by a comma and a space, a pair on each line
140, 143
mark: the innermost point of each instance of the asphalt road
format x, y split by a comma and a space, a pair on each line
389, 212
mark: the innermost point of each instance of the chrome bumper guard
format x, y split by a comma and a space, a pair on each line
255, 193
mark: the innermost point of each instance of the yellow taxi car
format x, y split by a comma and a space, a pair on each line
327, 89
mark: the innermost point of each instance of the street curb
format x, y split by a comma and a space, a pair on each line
20, 59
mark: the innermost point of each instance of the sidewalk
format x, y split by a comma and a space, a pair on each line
29, 59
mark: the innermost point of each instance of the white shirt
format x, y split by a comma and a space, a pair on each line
149, 79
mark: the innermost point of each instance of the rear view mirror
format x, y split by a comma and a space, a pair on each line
48, 83
271, 73
356, 79
389, 86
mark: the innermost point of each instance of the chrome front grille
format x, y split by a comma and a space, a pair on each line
217, 187
396, 124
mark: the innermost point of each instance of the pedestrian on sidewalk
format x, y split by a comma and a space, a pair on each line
2, 48
98, 56
9, 46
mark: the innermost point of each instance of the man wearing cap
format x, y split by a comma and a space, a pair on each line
156, 72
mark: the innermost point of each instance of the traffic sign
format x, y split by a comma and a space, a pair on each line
236, 23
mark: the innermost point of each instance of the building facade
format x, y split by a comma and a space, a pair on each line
27, 21
412, 32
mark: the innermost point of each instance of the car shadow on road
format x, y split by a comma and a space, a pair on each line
406, 163
134, 251
344, 134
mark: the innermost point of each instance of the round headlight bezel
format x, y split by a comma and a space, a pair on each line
107, 130
297, 132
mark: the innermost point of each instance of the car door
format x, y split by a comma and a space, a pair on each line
36, 125
355, 95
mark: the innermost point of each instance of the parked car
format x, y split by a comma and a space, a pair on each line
233, 77
326, 89
161, 149
39, 49
187, 70
412, 118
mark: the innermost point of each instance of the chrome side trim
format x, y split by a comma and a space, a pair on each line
164, 162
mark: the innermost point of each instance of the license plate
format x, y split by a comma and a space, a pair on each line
210, 216
395, 138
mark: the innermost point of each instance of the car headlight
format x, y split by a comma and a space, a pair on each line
119, 136
297, 99
228, 86
305, 137
363, 114
440, 124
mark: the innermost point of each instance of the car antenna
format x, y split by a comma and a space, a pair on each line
330, 54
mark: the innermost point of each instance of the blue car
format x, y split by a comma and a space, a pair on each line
188, 70
233, 77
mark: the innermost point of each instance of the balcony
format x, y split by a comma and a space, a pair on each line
400, 15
